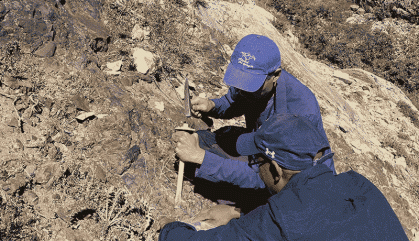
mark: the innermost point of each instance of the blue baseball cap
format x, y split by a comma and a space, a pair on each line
253, 58
291, 140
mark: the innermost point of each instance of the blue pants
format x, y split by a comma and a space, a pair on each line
222, 142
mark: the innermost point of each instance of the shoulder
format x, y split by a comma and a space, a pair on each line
288, 77
293, 85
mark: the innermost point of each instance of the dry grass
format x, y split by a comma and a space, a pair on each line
409, 112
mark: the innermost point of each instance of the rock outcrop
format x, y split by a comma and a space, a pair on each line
360, 111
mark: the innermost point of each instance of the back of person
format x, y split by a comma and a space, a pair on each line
317, 205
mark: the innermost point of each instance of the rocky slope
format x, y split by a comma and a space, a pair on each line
86, 129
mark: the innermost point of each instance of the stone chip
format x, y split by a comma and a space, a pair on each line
47, 50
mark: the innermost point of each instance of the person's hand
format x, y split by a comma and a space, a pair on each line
187, 147
201, 105
218, 215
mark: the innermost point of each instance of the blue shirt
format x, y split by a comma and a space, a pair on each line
314, 205
299, 100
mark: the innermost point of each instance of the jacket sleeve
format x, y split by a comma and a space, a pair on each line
259, 224
217, 169
228, 106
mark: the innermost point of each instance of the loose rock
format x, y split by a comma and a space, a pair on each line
85, 115
30, 170
143, 60
99, 45
3, 10
360, 11
30, 197
354, 7
115, 67
17, 182
14, 122
47, 50
128, 80
139, 33
128, 159
46, 172
99, 173
81, 103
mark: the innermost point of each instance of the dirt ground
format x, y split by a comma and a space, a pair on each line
87, 155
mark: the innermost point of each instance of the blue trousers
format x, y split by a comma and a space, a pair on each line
222, 142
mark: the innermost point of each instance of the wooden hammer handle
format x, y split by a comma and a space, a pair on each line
178, 197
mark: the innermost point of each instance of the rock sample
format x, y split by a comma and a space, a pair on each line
144, 60
47, 50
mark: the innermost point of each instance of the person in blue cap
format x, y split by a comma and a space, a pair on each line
259, 88
308, 202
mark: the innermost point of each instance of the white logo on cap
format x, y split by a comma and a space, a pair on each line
245, 59
272, 153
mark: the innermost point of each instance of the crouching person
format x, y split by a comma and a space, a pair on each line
308, 201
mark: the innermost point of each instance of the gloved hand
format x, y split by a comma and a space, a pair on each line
187, 147
201, 105
217, 216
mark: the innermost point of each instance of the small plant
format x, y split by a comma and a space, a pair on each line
403, 136
408, 112
119, 214
396, 145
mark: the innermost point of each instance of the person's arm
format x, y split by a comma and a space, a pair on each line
214, 167
217, 169
228, 106
259, 224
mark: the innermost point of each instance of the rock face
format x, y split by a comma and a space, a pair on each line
360, 112
44, 26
